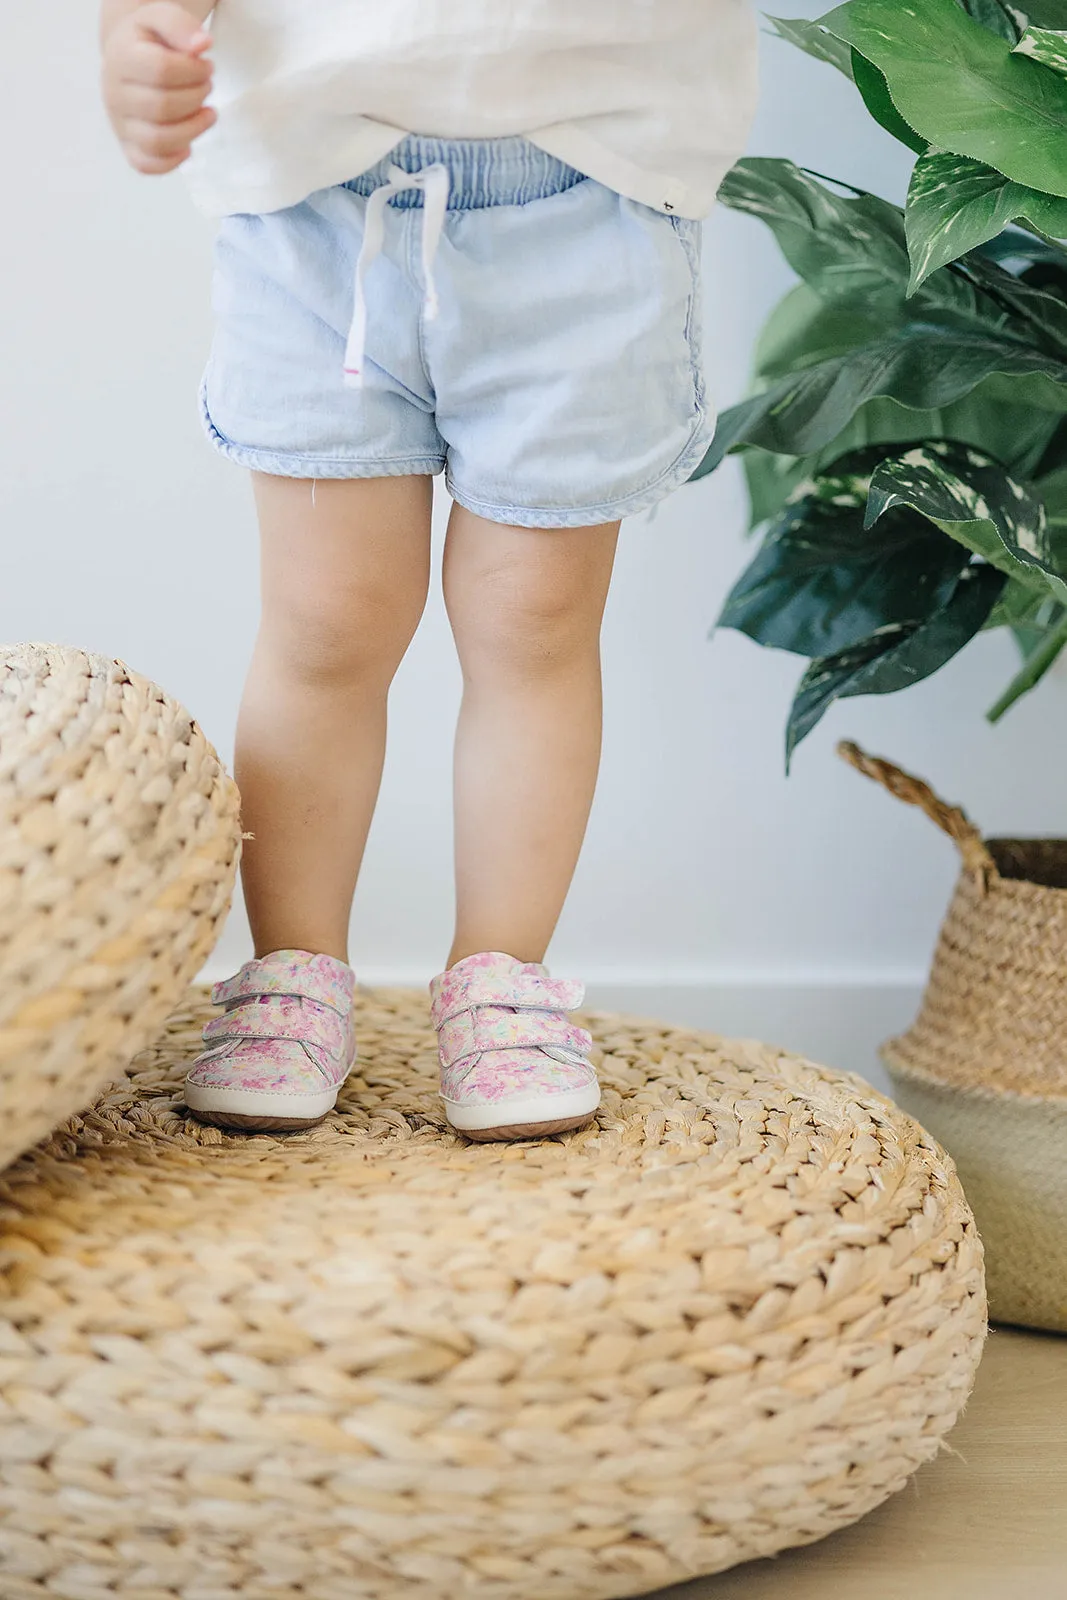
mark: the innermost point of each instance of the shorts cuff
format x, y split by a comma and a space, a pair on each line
592, 516
295, 464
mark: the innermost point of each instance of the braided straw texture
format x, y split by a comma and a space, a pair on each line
985, 1068
994, 1015
995, 1012
118, 847
374, 1362
985, 1065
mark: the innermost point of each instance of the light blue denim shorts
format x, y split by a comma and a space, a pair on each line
559, 384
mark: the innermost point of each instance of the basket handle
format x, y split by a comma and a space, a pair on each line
953, 820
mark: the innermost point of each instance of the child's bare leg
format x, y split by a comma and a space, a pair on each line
526, 608
345, 575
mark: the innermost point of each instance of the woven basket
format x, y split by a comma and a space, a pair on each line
985, 1065
118, 846
375, 1362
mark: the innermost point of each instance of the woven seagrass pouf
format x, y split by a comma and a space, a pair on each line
374, 1362
118, 848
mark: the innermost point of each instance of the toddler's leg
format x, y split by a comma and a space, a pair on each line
345, 575
526, 607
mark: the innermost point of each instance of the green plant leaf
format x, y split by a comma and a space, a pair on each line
1001, 424
814, 41
1040, 13
1012, 417
995, 16
1031, 631
956, 204
974, 500
771, 480
962, 88
872, 85
804, 329
1047, 45
1053, 492
1033, 312
922, 367
1044, 214
1021, 607
853, 252
822, 582
1054, 456
1044, 655
895, 657
1049, 276
784, 337
990, 418
1028, 637
997, 417
849, 249
1024, 249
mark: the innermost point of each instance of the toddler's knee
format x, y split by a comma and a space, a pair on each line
524, 633
340, 640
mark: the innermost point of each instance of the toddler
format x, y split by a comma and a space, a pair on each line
456, 236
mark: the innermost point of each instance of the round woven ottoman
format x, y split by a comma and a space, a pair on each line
118, 848
372, 1361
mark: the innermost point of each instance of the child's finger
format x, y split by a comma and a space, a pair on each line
160, 68
172, 25
171, 138
153, 166
160, 106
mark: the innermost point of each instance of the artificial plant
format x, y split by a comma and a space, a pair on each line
905, 441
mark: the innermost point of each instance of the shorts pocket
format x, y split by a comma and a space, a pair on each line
690, 236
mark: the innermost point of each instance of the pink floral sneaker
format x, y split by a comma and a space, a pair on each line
282, 1048
512, 1066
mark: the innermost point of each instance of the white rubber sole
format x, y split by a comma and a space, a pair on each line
521, 1118
247, 1107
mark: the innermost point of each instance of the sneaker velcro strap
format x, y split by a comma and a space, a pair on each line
474, 1031
280, 1017
311, 980
523, 991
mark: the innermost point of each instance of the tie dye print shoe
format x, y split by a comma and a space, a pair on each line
282, 1048
512, 1066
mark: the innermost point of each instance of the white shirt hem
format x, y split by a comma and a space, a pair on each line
372, 141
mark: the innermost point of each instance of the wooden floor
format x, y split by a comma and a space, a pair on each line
986, 1521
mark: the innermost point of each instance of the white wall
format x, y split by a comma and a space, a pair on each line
711, 888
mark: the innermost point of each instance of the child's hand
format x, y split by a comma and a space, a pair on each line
155, 80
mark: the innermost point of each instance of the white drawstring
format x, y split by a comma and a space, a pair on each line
435, 186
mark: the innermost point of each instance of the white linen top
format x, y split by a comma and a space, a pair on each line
651, 97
